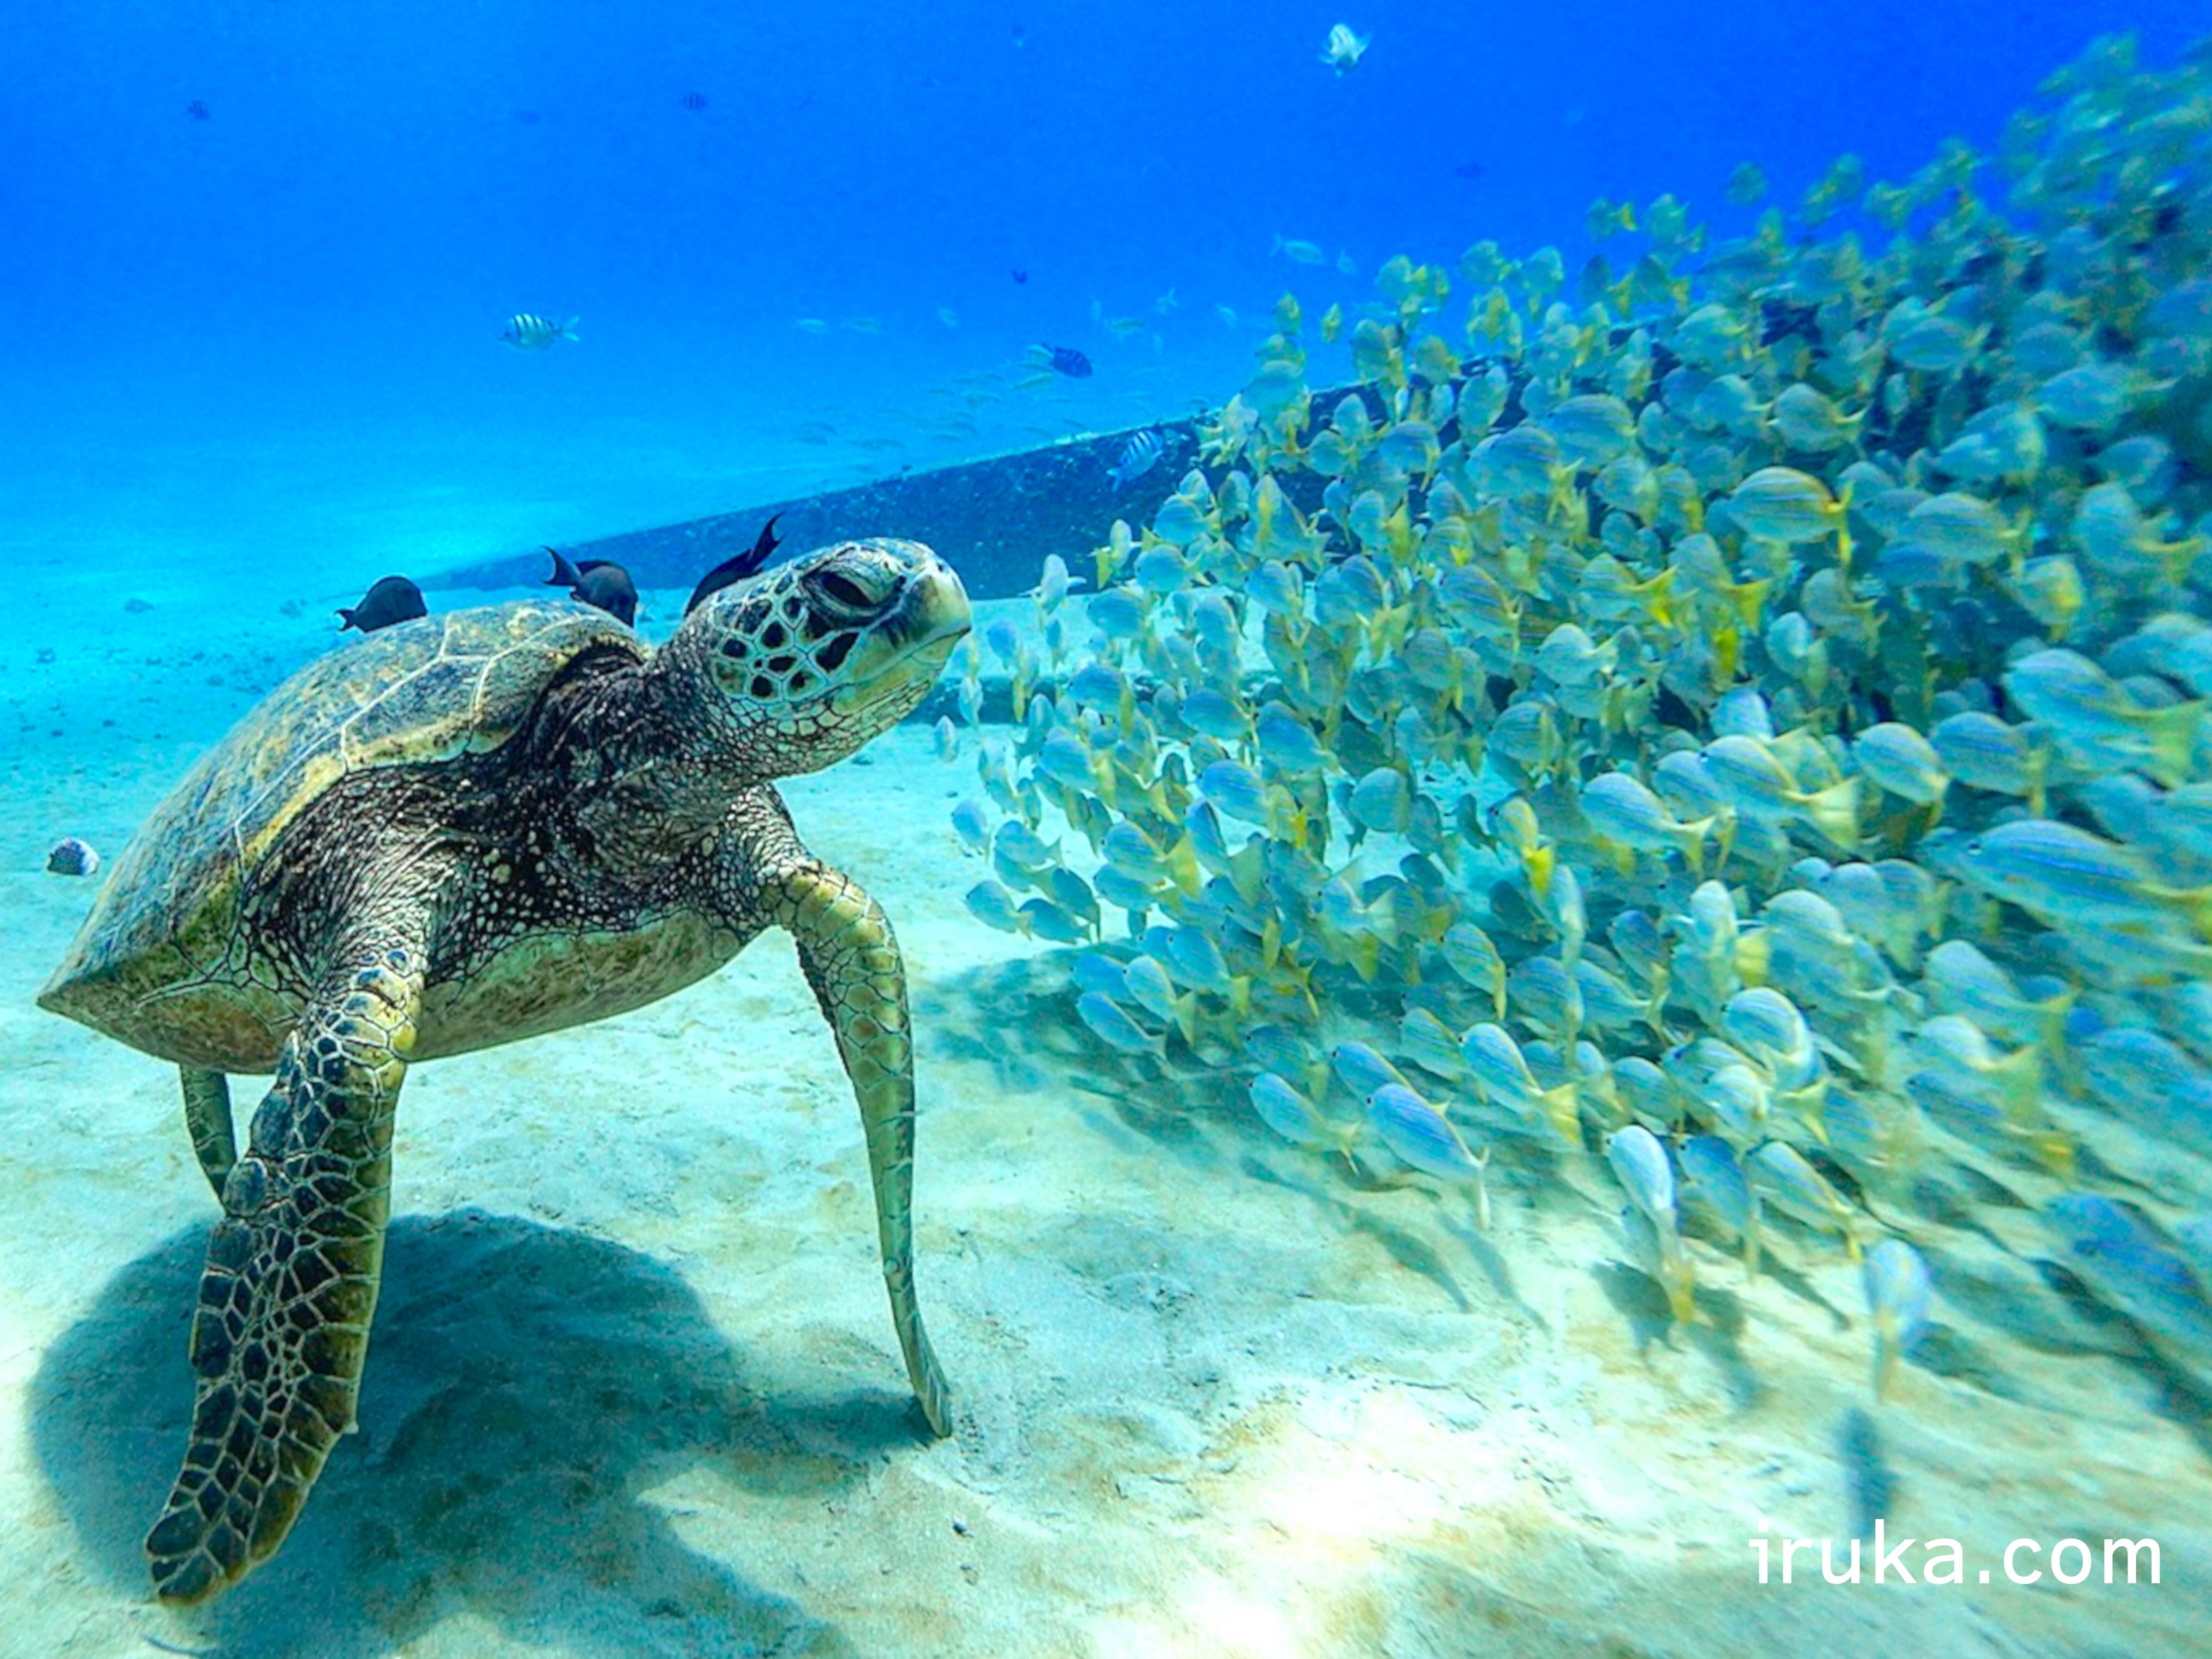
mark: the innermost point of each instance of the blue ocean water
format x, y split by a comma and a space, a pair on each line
271, 330
257, 263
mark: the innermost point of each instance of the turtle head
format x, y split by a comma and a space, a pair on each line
816, 657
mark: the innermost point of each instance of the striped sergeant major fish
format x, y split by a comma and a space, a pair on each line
527, 333
1138, 456
1066, 359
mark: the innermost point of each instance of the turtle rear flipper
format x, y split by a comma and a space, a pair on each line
291, 1280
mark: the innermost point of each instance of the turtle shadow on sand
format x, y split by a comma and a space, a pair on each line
526, 1389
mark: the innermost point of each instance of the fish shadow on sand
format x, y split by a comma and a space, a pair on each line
526, 1387
1415, 1247
1180, 1109
2170, 1390
1718, 1332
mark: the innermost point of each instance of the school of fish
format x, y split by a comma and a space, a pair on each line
1735, 724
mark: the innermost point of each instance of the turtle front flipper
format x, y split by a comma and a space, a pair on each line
207, 1118
291, 1280
852, 960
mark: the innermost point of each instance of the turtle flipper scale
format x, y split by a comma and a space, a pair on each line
852, 960
290, 1284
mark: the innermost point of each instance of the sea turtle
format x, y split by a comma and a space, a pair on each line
465, 829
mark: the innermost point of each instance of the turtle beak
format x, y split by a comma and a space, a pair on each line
937, 611
910, 644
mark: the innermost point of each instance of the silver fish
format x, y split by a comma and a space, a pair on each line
1419, 1135
1897, 1292
1111, 1024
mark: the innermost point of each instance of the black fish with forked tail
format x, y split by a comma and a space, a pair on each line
391, 599
737, 568
599, 582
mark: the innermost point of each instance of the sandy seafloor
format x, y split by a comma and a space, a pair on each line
633, 1389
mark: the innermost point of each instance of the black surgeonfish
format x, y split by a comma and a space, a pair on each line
393, 600
599, 582
737, 568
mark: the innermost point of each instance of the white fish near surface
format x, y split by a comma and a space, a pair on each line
1344, 48
1138, 456
526, 332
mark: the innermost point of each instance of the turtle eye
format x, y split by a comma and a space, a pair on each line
847, 591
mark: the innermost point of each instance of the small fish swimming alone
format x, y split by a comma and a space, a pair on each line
1066, 360
1138, 456
72, 856
737, 568
390, 599
597, 582
526, 332
1344, 48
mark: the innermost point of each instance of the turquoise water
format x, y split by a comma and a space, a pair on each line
1579, 963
